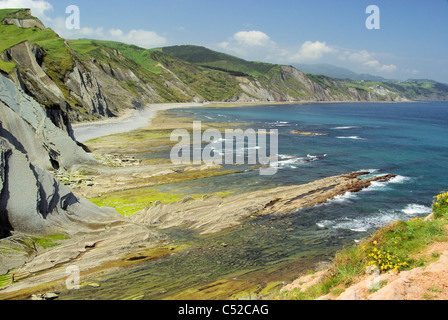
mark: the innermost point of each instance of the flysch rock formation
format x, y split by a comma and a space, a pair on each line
24, 23
214, 214
32, 201
25, 125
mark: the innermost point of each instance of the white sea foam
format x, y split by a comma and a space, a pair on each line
363, 224
399, 179
416, 209
343, 197
375, 221
383, 185
292, 161
351, 137
345, 128
369, 170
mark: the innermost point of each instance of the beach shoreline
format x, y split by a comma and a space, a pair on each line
132, 119
117, 245
129, 120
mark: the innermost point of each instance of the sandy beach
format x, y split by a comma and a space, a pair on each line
131, 120
128, 121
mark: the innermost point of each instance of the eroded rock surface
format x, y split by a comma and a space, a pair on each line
214, 214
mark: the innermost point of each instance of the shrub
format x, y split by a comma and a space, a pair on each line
440, 205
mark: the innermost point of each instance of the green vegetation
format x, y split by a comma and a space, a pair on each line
411, 89
4, 13
184, 73
211, 84
14, 13
396, 247
129, 202
26, 245
7, 67
110, 55
218, 61
440, 206
140, 56
57, 60
132, 201
50, 241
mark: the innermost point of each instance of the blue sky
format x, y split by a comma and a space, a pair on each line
412, 41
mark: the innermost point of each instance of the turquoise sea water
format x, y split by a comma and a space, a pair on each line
406, 139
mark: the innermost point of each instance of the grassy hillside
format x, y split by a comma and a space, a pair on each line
154, 67
420, 89
117, 75
411, 89
219, 61
399, 246
332, 71
57, 61
140, 56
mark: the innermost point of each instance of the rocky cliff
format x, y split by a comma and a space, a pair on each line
87, 79
32, 201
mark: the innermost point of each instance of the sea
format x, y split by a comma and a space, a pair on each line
409, 140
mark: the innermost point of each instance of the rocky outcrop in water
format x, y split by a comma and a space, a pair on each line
213, 214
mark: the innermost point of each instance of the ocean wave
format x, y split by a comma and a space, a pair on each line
352, 138
369, 170
399, 179
345, 128
384, 185
343, 197
416, 209
363, 224
375, 221
291, 161
279, 123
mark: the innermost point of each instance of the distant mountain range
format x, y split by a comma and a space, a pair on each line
332, 71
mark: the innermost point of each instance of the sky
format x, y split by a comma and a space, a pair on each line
411, 42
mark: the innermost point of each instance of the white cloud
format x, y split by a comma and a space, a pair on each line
38, 7
249, 44
252, 38
360, 56
388, 68
366, 60
141, 38
310, 51
372, 63
224, 44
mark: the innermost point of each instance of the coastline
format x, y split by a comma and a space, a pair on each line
142, 240
128, 121
132, 119
128, 242
423, 282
